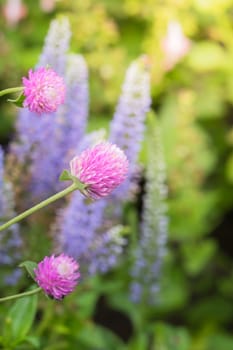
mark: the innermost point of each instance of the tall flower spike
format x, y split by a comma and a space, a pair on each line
68, 130
150, 251
97, 248
105, 250
127, 127
57, 275
50, 143
56, 46
10, 239
126, 131
101, 168
70, 229
72, 119
1, 179
44, 91
29, 129
76, 227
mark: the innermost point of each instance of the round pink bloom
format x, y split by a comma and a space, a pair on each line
14, 11
47, 5
175, 45
57, 275
101, 168
44, 90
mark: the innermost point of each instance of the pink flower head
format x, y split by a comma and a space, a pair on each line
44, 90
47, 5
175, 45
14, 11
57, 275
101, 168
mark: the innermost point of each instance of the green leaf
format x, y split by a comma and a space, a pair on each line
30, 267
18, 101
86, 303
101, 338
19, 320
220, 341
171, 338
229, 168
34, 341
211, 310
65, 176
139, 342
197, 254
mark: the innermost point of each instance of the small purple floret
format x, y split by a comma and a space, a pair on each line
101, 168
44, 91
57, 275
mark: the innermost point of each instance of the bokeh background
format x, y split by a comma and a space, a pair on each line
189, 48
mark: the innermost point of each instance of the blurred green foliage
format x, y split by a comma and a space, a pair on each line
193, 102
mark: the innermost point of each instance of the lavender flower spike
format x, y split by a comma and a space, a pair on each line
70, 228
72, 119
105, 250
56, 46
62, 139
10, 240
57, 275
101, 168
97, 247
31, 130
149, 253
127, 127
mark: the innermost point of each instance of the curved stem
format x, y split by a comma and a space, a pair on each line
21, 295
73, 187
11, 90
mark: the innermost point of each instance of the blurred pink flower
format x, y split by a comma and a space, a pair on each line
57, 275
175, 45
44, 90
47, 5
14, 11
102, 168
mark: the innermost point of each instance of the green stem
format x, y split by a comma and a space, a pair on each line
45, 322
11, 90
73, 187
21, 295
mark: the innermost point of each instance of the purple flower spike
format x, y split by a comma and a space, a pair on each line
101, 168
57, 275
44, 91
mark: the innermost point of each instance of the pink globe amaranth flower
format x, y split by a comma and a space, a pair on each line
57, 275
175, 45
47, 5
44, 90
14, 11
101, 168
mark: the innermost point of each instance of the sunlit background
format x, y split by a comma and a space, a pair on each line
187, 45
